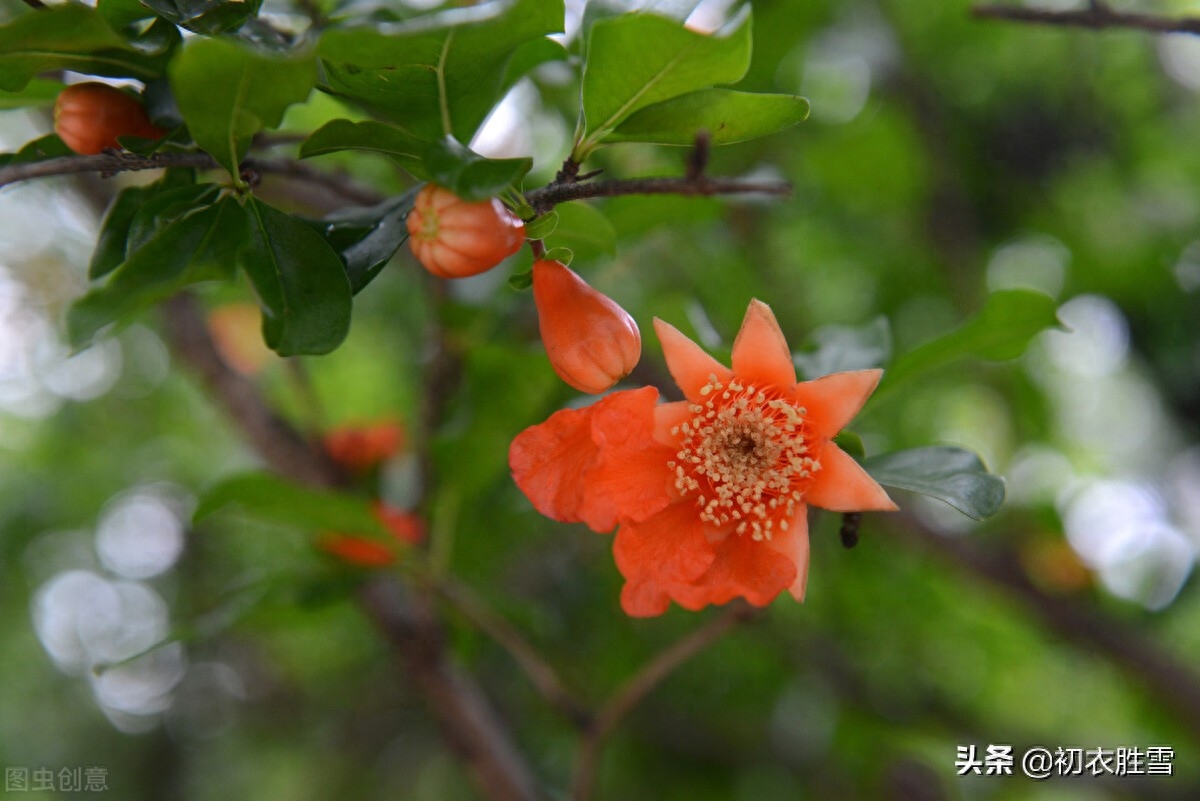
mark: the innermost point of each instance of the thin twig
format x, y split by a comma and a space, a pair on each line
113, 162
542, 675
549, 196
1096, 16
630, 694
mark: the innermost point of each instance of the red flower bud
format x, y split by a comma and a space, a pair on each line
456, 239
592, 342
358, 448
89, 117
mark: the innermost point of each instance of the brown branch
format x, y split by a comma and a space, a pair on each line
542, 675
551, 195
272, 437
638, 687
1161, 674
1096, 16
471, 727
113, 162
468, 721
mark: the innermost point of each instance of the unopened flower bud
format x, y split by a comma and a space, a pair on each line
592, 342
453, 238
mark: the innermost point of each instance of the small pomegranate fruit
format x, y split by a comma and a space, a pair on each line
89, 117
453, 238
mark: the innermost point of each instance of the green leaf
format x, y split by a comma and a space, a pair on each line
564, 255
638, 60
468, 174
272, 499
378, 137
726, 115
1001, 331
174, 199
198, 246
41, 149
521, 281
445, 161
541, 227
952, 475
114, 230
531, 54
367, 238
439, 74
851, 443
121, 13
840, 348
227, 92
302, 288
205, 16
37, 92
585, 230
69, 37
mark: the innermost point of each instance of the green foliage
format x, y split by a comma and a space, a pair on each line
635, 61
439, 75
726, 116
72, 37
268, 498
366, 238
229, 91
300, 281
952, 475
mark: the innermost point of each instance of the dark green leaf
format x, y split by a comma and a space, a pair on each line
439, 74
227, 92
638, 60
269, 498
114, 230
205, 16
198, 246
301, 285
366, 239
121, 13
1001, 331
69, 37
840, 348
377, 137
952, 475
468, 174
726, 115
172, 200
42, 149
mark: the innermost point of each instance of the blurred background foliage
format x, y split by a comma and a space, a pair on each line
944, 158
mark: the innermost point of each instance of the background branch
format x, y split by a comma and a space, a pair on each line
551, 195
630, 694
1096, 16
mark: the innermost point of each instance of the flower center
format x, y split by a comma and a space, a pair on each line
745, 455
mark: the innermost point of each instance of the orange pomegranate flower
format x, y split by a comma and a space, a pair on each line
404, 526
710, 494
358, 448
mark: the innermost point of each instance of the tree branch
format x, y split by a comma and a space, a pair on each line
113, 162
1096, 16
625, 699
552, 194
468, 721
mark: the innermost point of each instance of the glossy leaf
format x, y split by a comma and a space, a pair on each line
228, 91
41, 149
198, 246
272, 499
301, 285
438, 74
638, 60
366, 239
114, 230
1001, 331
726, 115
169, 203
840, 348
542, 226
444, 161
952, 475
205, 16
68, 37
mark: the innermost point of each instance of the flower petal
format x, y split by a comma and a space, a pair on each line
548, 462
832, 401
666, 417
643, 597
841, 485
690, 366
742, 567
668, 547
760, 352
630, 479
793, 544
